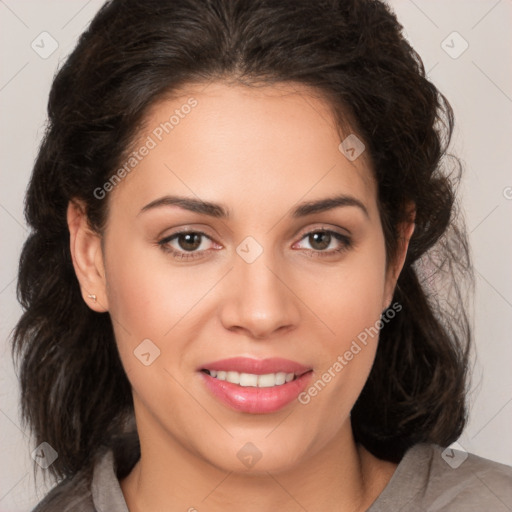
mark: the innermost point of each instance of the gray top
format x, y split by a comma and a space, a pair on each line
427, 479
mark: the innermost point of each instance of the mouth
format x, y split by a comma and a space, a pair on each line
255, 386
242, 379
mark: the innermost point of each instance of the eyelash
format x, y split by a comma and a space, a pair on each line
178, 255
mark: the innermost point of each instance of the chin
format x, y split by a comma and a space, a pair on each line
256, 458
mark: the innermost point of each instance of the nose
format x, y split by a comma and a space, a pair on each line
258, 300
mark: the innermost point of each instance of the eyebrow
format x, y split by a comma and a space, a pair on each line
221, 212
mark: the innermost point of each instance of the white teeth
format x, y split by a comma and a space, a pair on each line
233, 377
281, 378
267, 381
249, 379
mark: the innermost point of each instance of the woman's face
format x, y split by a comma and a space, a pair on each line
270, 276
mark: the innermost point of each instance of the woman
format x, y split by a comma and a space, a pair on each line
244, 246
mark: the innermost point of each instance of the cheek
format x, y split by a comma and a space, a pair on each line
352, 308
353, 299
149, 299
149, 293
345, 357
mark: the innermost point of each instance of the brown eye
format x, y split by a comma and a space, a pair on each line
320, 240
189, 241
185, 245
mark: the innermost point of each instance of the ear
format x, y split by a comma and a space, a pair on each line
405, 232
87, 257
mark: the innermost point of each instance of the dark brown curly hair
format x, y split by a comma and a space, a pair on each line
74, 392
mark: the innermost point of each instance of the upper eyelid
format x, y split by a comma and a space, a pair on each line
338, 230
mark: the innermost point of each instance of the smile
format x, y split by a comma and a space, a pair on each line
252, 380
255, 386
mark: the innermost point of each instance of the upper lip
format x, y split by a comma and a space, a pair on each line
256, 366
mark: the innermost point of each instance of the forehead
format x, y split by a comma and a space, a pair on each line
247, 144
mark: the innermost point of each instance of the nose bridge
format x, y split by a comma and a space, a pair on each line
259, 301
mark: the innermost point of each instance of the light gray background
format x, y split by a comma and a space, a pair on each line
478, 85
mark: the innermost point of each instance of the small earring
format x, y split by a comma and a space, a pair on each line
92, 297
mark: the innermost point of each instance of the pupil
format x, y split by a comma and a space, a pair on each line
192, 241
316, 237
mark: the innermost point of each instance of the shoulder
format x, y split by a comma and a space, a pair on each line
433, 478
460, 481
71, 495
99, 491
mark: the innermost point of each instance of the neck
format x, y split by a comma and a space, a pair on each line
170, 476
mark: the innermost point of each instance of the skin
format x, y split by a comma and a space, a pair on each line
259, 152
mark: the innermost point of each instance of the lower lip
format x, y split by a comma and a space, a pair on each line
253, 399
